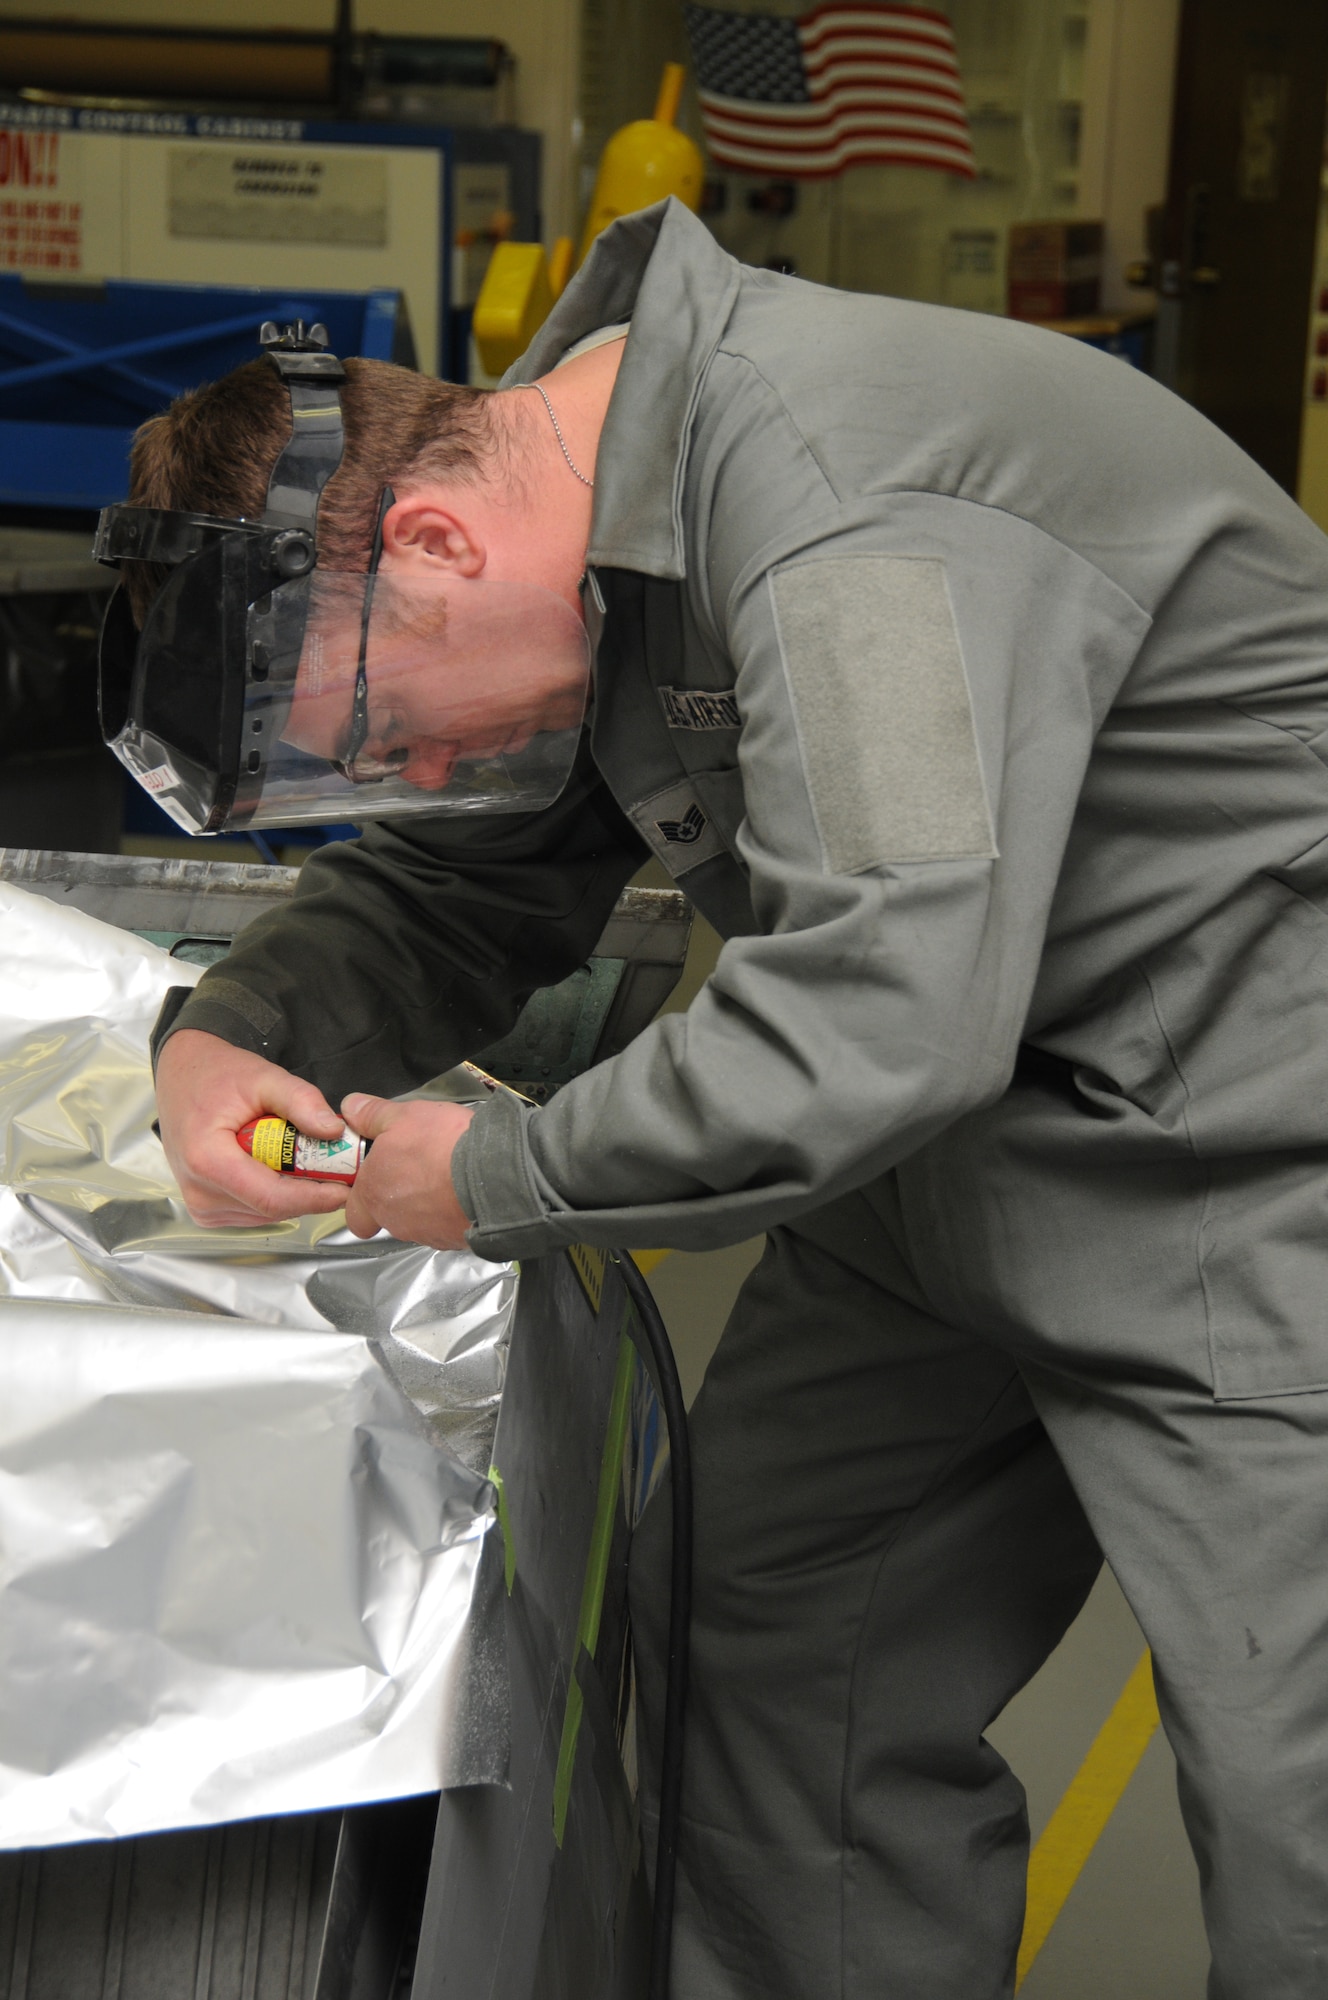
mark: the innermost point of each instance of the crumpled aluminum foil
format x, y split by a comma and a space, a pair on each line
242, 1502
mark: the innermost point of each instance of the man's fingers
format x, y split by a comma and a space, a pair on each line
359, 1220
279, 1198
206, 1090
370, 1116
228, 1215
221, 1178
306, 1107
405, 1185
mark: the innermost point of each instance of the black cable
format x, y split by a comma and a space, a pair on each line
680, 1620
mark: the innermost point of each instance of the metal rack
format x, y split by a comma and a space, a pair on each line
196, 908
81, 366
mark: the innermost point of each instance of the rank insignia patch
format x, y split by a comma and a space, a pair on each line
675, 825
684, 832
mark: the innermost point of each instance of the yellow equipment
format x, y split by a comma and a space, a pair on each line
514, 302
641, 164
645, 161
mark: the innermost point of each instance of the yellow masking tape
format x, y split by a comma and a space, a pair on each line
589, 1266
646, 1260
597, 1570
1075, 1827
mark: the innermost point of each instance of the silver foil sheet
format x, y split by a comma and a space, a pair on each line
242, 1497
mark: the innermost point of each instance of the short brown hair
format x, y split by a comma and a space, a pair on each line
213, 450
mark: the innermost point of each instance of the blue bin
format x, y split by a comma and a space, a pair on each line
82, 366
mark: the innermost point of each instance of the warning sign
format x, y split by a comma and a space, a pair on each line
41, 219
278, 196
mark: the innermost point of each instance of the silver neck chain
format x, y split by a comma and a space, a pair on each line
558, 432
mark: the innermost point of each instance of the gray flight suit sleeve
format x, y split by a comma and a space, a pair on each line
919, 692
417, 945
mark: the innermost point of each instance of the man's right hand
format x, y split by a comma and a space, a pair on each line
206, 1090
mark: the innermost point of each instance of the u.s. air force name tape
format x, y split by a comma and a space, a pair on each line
699, 708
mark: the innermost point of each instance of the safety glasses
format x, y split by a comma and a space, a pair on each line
362, 770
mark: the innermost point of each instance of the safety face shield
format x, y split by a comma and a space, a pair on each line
265, 690
405, 694
361, 696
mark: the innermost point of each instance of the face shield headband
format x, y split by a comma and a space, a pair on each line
266, 690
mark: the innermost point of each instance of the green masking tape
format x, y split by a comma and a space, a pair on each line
505, 1527
597, 1572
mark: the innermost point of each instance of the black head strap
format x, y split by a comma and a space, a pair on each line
151, 534
288, 524
313, 377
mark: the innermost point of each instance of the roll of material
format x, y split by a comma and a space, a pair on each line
149, 62
86, 59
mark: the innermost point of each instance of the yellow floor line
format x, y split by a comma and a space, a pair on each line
1073, 1830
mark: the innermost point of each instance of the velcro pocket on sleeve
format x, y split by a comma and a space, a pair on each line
877, 678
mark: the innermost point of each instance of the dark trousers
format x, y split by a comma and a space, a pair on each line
898, 1515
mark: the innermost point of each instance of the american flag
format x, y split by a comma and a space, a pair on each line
843, 85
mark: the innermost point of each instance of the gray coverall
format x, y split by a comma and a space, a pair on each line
975, 689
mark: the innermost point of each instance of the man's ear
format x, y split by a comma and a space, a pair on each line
423, 531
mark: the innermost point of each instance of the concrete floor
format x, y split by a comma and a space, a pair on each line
1130, 1928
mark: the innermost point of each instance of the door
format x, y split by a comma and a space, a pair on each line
1241, 217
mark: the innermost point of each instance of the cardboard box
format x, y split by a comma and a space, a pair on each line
1054, 269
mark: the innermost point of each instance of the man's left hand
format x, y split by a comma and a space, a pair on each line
405, 1184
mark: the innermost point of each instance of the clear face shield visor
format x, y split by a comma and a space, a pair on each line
407, 693
266, 690
342, 695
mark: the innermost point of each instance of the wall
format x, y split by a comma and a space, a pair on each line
934, 236
1312, 491
1130, 67
624, 47
544, 36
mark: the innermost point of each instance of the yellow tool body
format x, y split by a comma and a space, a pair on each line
644, 162
641, 164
